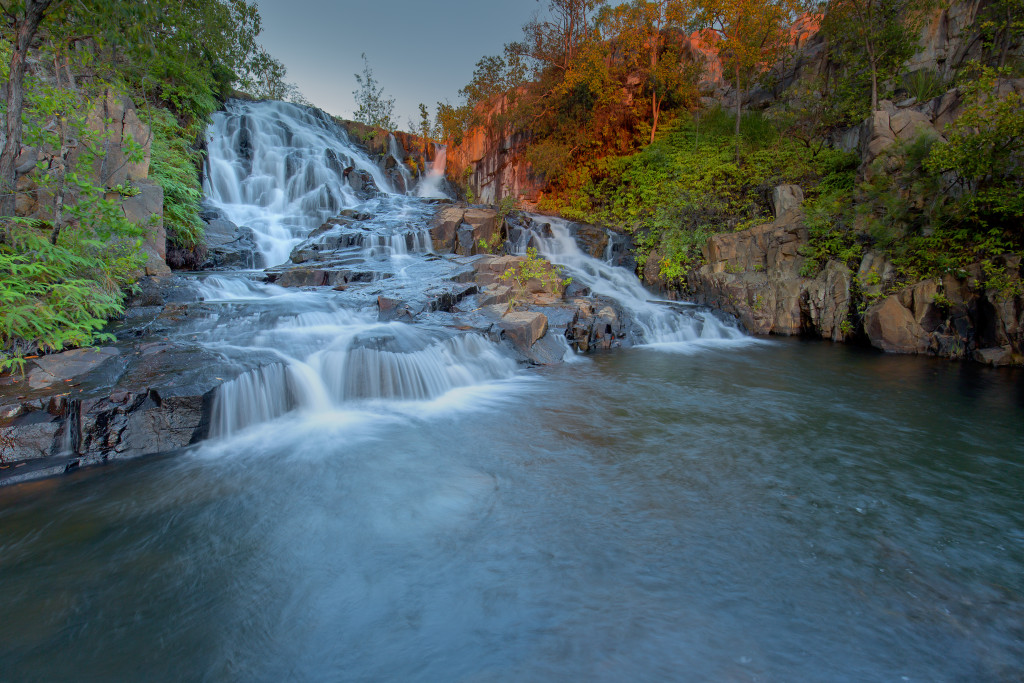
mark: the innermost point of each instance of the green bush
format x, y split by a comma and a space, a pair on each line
56, 296
174, 166
924, 84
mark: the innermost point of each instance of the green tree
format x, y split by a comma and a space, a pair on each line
877, 35
754, 35
984, 152
373, 107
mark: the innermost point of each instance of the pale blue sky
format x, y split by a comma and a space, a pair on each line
419, 51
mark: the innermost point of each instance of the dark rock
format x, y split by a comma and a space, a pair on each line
231, 246
389, 309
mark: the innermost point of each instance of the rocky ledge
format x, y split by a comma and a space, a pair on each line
756, 276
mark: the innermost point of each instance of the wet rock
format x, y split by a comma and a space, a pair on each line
303, 277
450, 296
597, 323
389, 309
231, 246
523, 328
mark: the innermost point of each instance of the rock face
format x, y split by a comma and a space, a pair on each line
113, 416
114, 117
756, 276
491, 162
460, 230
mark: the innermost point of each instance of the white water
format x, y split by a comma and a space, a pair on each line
430, 186
663, 327
278, 169
395, 152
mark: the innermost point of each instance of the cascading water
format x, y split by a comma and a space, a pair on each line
282, 170
396, 153
662, 326
431, 185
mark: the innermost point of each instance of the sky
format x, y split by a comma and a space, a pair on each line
419, 50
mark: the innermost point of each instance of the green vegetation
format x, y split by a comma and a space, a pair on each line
533, 268
67, 254
687, 186
611, 97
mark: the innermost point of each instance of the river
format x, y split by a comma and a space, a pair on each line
702, 506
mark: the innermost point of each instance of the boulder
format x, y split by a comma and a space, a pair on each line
231, 246
787, 200
891, 327
523, 328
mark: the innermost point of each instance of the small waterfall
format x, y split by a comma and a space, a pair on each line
660, 324
331, 379
396, 153
431, 185
398, 244
282, 169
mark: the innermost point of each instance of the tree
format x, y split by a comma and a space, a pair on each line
24, 16
638, 30
879, 34
1002, 24
374, 108
754, 36
984, 154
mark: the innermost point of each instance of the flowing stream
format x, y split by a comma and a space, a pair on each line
386, 500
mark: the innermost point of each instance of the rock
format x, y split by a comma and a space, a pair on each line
114, 115
787, 200
495, 294
459, 230
892, 328
146, 209
303, 277
523, 328
68, 365
907, 124
920, 301
231, 246
389, 309
997, 357
828, 303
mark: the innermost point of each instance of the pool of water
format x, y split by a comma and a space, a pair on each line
783, 511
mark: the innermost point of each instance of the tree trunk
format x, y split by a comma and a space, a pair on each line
25, 27
874, 88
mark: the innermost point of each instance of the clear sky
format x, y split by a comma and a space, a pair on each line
420, 50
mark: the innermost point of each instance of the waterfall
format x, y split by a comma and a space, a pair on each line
282, 169
661, 325
366, 370
431, 185
396, 153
